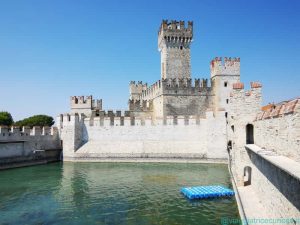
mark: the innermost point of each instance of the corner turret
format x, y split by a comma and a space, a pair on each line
136, 89
80, 104
228, 66
224, 73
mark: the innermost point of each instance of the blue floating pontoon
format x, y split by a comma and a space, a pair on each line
201, 192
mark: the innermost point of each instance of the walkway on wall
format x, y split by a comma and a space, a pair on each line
251, 204
284, 163
283, 175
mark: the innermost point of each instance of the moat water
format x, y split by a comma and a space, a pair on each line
112, 193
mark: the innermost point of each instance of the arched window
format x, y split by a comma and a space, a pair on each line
249, 134
247, 175
229, 146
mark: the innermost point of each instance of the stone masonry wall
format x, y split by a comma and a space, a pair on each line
171, 138
186, 105
176, 62
243, 108
28, 145
279, 129
277, 190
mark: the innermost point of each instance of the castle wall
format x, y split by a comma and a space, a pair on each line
277, 189
186, 105
28, 146
127, 137
158, 107
279, 129
272, 159
174, 97
40, 138
243, 108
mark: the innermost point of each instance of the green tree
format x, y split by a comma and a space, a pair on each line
6, 119
37, 120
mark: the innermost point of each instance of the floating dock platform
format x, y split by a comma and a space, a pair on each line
201, 192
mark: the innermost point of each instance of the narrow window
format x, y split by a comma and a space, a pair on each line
247, 175
249, 134
226, 114
180, 47
232, 128
225, 84
229, 146
227, 100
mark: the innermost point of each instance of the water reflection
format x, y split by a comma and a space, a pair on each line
112, 193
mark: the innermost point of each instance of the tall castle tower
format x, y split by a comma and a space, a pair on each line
174, 40
224, 73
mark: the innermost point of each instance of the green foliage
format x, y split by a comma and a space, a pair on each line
6, 119
37, 120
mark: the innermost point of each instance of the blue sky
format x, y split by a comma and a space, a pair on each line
52, 49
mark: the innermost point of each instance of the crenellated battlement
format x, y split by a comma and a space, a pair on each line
184, 83
175, 32
140, 105
135, 89
227, 66
245, 102
81, 102
170, 85
115, 121
152, 91
15, 131
238, 89
118, 118
174, 25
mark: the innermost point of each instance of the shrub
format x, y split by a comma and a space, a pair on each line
6, 119
37, 120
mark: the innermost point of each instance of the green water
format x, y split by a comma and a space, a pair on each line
111, 193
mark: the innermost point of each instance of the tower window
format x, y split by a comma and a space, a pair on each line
226, 114
249, 134
180, 47
227, 100
225, 84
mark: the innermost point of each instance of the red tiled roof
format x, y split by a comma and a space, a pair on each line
284, 107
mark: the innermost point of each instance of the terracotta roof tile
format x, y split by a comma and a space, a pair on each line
255, 84
238, 85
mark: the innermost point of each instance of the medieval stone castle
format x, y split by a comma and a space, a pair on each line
176, 117
181, 119
176, 93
